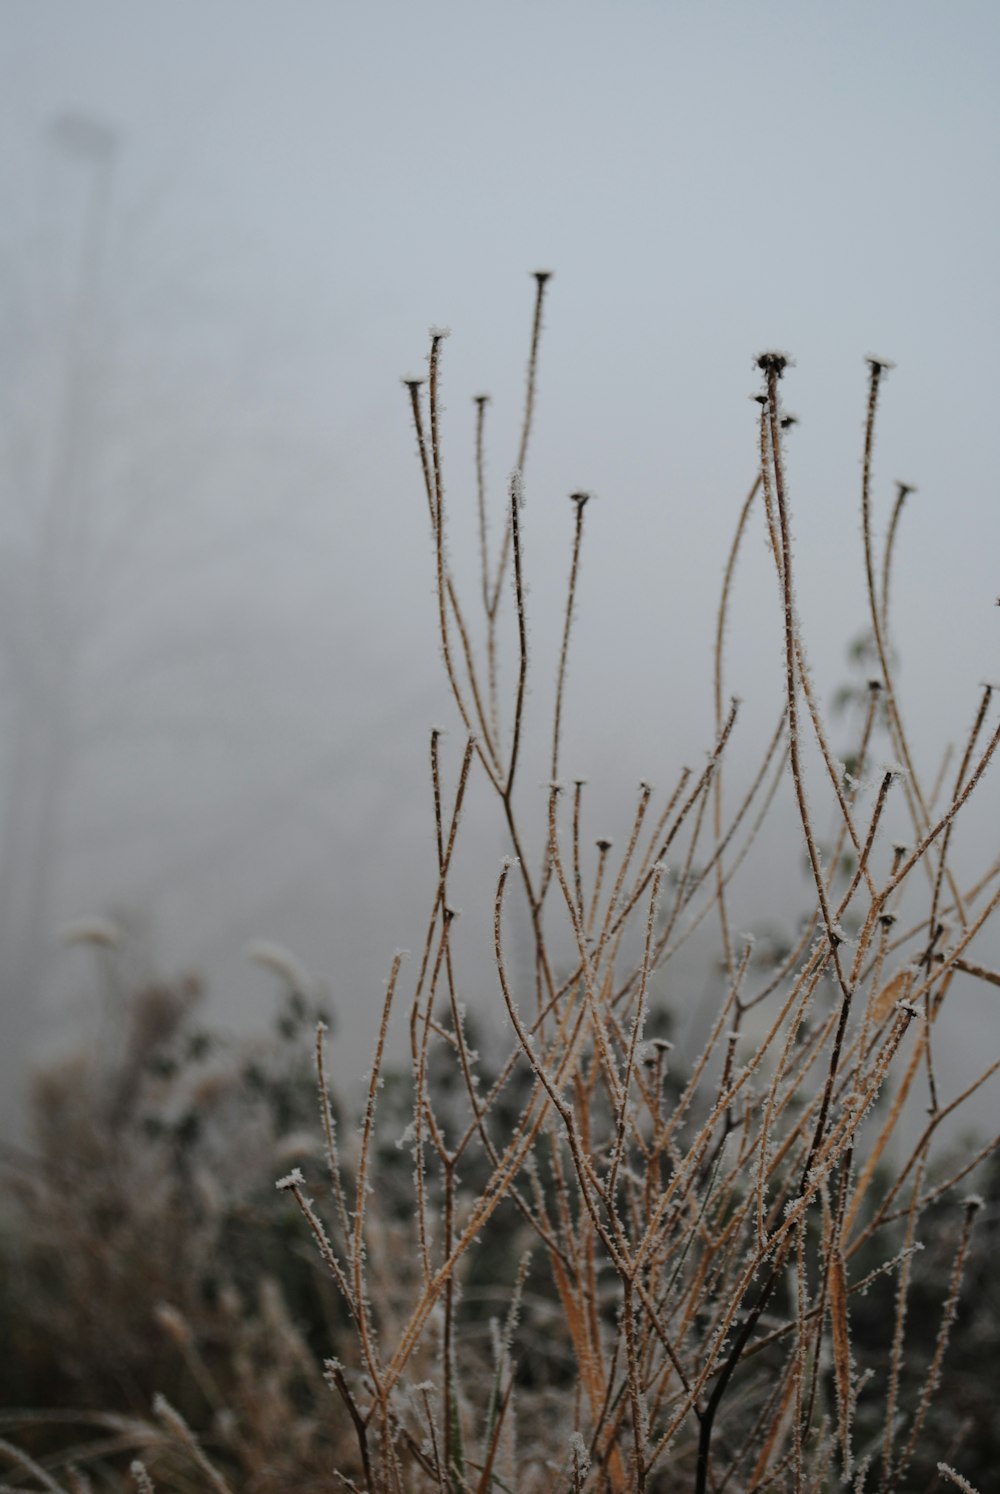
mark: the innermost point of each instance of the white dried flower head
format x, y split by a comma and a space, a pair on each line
140, 1474
225, 1423
173, 1323
103, 932
297, 1144
166, 1413
774, 361
281, 962
579, 1453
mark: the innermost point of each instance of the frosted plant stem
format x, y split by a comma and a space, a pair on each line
808, 991
771, 426
950, 960
773, 366
578, 787
972, 1207
645, 793
588, 965
447, 594
522, 635
636, 1034
451, 1413
935, 929
903, 490
732, 867
777, 1247
542, 278
445, 852
433, 1437
883, 1216
330, 1133
899, 1324
481, 401
800, 1420
954, 1477
977, 727
652, 852
535, 1218
590, 1185
634, 1390
361, 1199
922, 818
580, 502
422, 1111
293, 1184
693, 799
720, 638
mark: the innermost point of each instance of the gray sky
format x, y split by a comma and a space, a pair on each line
300, 191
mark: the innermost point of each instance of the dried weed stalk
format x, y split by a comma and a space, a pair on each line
702, 1242
608, 1276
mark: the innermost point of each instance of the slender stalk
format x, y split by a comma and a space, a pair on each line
580, 501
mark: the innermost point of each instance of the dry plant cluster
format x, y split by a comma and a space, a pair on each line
683, 1261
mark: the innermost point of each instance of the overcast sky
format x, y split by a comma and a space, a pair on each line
300, 190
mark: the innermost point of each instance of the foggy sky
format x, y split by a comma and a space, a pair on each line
298, 192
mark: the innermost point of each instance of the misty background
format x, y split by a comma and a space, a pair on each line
225, 233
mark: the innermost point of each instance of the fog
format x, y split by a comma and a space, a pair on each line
226, 231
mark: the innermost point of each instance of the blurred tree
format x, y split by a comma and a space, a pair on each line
46, 607
164, 587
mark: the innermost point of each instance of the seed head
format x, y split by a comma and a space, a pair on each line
773, 362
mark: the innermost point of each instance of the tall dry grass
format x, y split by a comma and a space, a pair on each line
601, 1274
